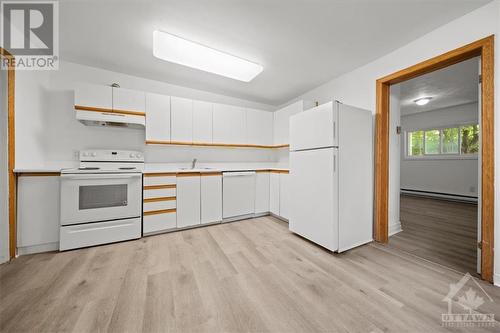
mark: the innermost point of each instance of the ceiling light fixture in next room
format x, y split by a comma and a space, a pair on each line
422, 101
184, 52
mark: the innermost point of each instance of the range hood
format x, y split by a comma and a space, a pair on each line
110, 118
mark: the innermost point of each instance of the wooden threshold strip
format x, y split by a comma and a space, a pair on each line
94, 109
162, 211
158, 187
160, 199
207, 144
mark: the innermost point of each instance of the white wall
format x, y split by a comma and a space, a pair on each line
47, 132
4, 171
452, 176
357, 87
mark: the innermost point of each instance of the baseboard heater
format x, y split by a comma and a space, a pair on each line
440, 195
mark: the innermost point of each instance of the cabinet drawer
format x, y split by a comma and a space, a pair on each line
159, 193
159, 179
159, 205
159, 222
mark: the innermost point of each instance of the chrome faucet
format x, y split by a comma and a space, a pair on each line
193, 163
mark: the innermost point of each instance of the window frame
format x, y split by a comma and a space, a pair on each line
441, 155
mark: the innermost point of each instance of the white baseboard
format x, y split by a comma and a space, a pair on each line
38, 248
496, 279
394, 228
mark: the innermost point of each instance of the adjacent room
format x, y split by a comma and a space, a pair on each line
249, 166
440, 154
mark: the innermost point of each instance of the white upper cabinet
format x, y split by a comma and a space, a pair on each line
157, 117
128, 100
94, 96
229, 124
259, 126
182, 119
202, 121
282, 121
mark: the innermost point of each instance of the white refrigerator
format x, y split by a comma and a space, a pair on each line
331, 176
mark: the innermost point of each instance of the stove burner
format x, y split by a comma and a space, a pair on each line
127, 168
89, 168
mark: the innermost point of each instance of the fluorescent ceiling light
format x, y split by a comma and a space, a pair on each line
184, 52
422, 101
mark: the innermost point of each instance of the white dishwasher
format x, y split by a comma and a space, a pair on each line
238, 195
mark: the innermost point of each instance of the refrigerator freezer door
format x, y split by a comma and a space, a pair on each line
314, 196
315, 128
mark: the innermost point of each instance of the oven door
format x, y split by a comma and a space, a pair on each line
100, 197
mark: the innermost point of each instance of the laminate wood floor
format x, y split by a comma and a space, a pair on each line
247, 276
441, 231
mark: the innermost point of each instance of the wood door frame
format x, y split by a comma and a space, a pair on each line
11, 86
484, 49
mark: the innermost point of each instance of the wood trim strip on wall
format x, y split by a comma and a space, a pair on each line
11, 146
95, 109
38, 174
207, 144
159, 174
162, 211
279, 171
158, 187
188, 174
215, 173
485, 49
160, 199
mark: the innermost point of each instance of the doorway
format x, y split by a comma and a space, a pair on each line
484, 49
438, 117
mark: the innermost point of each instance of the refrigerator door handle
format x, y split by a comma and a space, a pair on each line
334, 129
334, 163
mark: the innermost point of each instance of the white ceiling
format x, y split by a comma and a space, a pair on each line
450, 86
300, 43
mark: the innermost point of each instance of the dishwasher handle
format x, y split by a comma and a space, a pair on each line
238, 174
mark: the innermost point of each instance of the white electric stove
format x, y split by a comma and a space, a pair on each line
101, 201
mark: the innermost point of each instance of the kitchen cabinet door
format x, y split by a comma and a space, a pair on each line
284, 195
281, 131
274, 193
229, 124
259, 125
202, 121
188, 200
211, 198
38, 212
182, 119
94, 96
262, 192
128, 100
157, 117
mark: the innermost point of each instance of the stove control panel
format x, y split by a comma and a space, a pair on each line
101, 155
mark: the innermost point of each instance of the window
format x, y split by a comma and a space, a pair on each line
459, 140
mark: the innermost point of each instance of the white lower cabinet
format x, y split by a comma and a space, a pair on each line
38, 213
274, 193
284, 195
188, 200
211, 197
262, 192
154, 223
